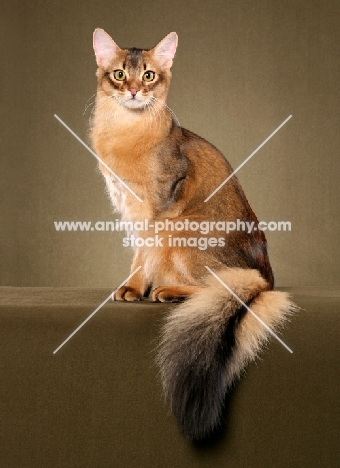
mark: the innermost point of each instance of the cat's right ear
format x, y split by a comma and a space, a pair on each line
105, 48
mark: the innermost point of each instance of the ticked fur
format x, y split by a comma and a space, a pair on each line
209, 339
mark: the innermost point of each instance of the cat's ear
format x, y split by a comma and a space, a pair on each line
105, 48
165, 50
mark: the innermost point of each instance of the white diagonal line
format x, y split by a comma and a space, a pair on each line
98, 158
94, 312
246, 160
253, 313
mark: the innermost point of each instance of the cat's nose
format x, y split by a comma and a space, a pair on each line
133, 91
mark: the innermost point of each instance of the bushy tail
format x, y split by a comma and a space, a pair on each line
207, 342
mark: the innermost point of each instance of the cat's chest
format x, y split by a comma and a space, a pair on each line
117, 195
132, 207
126, 144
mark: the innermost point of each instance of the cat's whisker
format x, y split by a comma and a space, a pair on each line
174, 116
164, 105
108, 110
97, 99
88, 105
100, 97
158, 109
149, 110
156, 113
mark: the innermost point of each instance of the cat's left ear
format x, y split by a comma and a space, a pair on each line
105, 48
165, 50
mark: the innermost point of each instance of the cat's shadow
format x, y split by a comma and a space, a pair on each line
221, 434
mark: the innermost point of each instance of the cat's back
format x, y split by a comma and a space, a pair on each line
208, 163
202, 152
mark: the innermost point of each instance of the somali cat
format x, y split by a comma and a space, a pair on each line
209, 338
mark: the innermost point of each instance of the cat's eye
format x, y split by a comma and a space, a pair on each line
149, 75
119, 75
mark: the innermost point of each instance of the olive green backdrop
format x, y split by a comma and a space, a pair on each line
242, 68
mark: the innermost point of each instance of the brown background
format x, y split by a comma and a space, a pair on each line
242, 67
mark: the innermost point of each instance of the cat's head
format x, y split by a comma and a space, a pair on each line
134, 77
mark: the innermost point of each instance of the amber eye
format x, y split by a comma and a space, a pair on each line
149, 75
119, 75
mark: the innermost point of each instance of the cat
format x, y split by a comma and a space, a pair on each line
207, 340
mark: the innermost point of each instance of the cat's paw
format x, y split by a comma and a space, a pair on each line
127, 293
167, 294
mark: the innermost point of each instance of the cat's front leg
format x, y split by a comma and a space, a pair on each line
173, 293
136, 286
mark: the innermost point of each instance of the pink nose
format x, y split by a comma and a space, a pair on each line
133, 91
